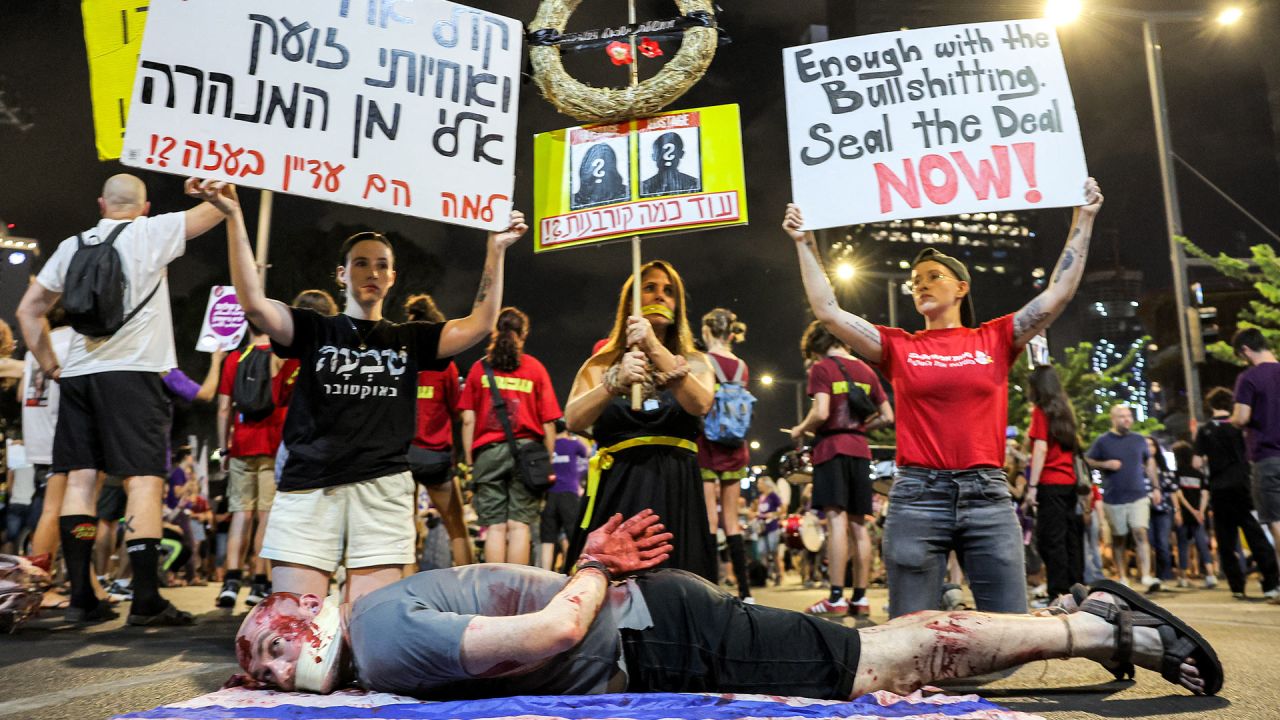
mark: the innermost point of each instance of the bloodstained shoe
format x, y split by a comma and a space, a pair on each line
826, 607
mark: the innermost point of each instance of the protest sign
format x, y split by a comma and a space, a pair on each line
224, 324
409, 108
673, 172
112, 39
937, 121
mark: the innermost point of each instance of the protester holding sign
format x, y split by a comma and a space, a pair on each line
494, 437
346, 490
949, 384
647, 457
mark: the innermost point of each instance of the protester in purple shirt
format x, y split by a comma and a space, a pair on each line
561, 509
1257, 411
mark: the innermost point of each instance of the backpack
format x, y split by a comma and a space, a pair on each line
251, 392
93, 294
860, 405
730, 416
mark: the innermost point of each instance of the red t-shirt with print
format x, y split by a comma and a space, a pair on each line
250, 438
437, 403
531, 401
950, 393
714, 456
842, 434
283, 383
1059, 466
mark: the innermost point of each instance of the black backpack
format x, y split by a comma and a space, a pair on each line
93, 294
251, 392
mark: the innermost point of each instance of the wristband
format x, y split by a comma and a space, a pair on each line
586, 561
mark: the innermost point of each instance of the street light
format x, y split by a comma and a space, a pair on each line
769, 380
1172, 210
1061, 12
845, 271
766, 379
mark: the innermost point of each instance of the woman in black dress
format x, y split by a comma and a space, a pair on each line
648, 457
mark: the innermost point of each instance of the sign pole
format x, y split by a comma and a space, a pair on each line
264, 235
637, 391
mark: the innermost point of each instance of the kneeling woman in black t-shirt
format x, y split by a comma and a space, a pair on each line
345, 491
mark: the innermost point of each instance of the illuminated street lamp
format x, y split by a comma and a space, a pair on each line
845, 271
766, 379
1172, 210
769, 380
1061, 12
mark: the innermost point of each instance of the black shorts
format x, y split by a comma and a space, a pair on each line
430, 467
704, 640
559, 515
843, 482
113, 421
112, 500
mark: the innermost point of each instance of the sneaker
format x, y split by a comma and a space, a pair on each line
1239, 596
120, 590
1211, 581
1151, 584
169, 616
860, 608
230, 590
748, 600
1040, 591
1272, 596
257, 593
1184, 583
826, 607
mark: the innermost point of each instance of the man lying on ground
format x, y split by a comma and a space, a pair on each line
503, 630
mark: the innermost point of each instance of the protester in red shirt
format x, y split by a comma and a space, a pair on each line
251, 443
950, 391
1052, 486
502, 502
431, 453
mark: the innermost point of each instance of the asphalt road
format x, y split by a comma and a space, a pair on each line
52, 671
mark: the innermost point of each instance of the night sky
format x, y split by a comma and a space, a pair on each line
1222, 125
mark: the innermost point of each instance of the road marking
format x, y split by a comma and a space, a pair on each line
26, 705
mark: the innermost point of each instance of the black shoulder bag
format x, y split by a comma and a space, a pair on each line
533, 464
860, 405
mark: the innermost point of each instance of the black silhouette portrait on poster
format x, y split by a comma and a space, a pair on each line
670, 162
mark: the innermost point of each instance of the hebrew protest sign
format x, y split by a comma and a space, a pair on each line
938, 121
224, 324
112, 39
673, 172
409, 108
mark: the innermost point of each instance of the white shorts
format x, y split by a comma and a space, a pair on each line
1128, 516
363, 524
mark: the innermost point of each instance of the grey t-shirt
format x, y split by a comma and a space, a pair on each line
407, 637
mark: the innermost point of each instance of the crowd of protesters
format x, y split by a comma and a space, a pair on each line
350, 447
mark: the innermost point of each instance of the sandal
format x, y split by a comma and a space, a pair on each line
1179, 642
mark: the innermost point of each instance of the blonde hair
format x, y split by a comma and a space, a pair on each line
679, 340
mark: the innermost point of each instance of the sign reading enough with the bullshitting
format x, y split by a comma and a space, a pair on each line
406, 107
938, 121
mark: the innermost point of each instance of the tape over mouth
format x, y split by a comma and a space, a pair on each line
662, 310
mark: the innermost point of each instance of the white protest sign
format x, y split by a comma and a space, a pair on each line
224, 324
400, 105
938, 121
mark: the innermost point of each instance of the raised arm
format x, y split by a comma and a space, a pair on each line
202, 218
461, 333
861, 336
271, 316
1044, 308
496, 646
209, 388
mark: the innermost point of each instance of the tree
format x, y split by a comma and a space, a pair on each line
1092, 394
1264, 275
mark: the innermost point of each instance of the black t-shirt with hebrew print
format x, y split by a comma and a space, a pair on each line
351, 417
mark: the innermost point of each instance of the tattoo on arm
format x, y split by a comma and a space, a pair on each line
1068, 259
864, 328
1029, 317
485, 283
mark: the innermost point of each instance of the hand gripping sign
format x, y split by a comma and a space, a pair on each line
938, 121
406, 107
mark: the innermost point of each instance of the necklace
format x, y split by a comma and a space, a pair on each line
362, 337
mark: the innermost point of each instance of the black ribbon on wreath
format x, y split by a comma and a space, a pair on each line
595, 39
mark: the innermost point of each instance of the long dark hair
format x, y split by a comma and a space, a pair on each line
1182, 452
1044, 389
818, 340
506, 345
422, 308
679, 340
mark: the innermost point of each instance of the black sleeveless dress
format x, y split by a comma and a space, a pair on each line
664, 478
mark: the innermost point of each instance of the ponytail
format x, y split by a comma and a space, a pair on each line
506, 345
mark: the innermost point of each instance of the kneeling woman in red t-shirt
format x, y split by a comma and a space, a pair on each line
950, 390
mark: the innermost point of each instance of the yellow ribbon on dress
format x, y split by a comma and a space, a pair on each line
603, 460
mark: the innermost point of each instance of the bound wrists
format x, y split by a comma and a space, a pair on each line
587, 562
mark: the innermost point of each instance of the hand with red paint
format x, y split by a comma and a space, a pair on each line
631, 545
1092, 198
221, 195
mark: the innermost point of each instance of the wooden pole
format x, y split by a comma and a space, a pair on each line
264, 236
637, 391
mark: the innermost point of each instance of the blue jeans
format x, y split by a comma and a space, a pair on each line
1162, 551
931, 513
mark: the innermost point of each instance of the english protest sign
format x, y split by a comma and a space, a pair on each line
224, 324
673, 172
937, 121
405, 107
